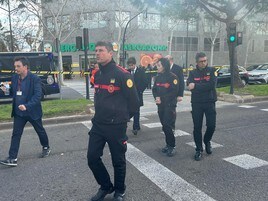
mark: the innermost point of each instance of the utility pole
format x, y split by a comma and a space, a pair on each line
86, 41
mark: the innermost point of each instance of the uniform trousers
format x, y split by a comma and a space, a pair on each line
18, 126
116, 138
167, 116
198, 112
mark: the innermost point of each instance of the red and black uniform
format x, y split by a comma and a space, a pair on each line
115, 98
166, 87
203, 100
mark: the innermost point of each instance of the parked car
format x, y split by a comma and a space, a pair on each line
252, 67
224, 76
259, 75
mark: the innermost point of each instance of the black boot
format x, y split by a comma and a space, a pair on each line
102, 193
208, 148
197, 155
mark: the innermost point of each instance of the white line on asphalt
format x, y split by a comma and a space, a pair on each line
173, 185
246, 106
213, 144
246, 161
266, 110
153, 125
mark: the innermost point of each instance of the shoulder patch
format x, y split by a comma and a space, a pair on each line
175, 81
129, 83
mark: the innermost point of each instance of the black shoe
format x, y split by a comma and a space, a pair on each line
45, 152
171, 151
208, 148
197, 155
101, 194
165, 149
9, 162
118, 196
135, 131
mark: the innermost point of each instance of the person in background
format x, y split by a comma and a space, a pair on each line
202, 84
165, 90
26, 107
115, 100
177, 70
139, 76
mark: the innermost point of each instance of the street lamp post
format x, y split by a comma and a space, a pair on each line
124, 35
10, 23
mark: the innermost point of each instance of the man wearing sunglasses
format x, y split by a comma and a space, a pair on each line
202, 84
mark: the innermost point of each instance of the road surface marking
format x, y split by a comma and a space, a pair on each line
266, 110
153, 125
179, 133
173, 185
246, 106
246, 161
213, 144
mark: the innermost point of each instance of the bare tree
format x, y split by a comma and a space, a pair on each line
55, 20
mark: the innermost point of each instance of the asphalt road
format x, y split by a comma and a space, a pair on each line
237, 169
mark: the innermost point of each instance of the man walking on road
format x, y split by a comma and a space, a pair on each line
26, 106
140, 81
202, 83
115, 98
177, 70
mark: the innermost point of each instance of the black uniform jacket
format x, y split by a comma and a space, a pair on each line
140, 81
205, 85
166, 86
177, 70
115, 95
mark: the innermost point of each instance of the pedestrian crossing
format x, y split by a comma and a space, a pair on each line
244, 161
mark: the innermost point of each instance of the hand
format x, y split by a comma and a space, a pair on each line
191, 86
157, 100
179, 99
22, 107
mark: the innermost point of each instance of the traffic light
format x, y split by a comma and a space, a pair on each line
78, 43
232, 32
239, 38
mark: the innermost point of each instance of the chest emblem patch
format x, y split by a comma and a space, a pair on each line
110, 88
112, 81
175, 81
129, 83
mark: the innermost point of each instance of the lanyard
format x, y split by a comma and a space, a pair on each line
19, 84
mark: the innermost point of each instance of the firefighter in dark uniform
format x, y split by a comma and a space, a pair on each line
165, 91
202, 83
115, 100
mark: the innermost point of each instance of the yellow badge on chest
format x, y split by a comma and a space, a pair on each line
175, 81
112, 81
129, 83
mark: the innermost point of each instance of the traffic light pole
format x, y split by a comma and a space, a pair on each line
86, 41
232, 67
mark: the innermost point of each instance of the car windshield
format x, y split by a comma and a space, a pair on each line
250, 68
263, 67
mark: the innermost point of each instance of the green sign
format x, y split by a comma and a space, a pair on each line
128, 47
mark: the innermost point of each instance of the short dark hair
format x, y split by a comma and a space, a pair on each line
165, 63
199, 55
131, 60
23, 60
106, 44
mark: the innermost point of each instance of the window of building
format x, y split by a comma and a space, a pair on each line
266, 46
260, 27
180, 43
181, 25
50, 23
208, 44
151, 22
252, 46
121, 18
211, 25
94, 20
225, 45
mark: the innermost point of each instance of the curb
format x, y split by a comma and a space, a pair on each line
240, 98
56, 120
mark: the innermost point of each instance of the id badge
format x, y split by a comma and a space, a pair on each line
19, 93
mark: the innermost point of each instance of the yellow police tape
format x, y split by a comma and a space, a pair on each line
60, 72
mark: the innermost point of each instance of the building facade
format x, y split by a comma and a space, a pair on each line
150, 34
